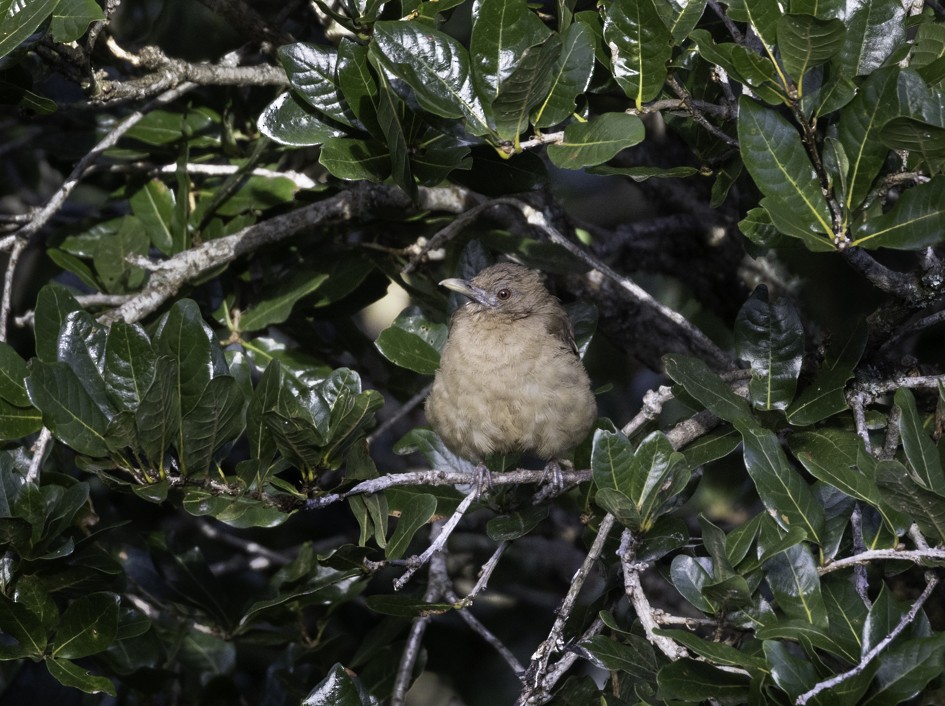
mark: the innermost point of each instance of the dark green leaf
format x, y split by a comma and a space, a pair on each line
358, 84
771, 338
922, 453
505, 528
20, 19
681, 16
640, 45
71, 674
434, 451
403, 606
858, 132
393, 118
782, 489
906, 669
707, 387
689, 680
53, 303
338, 688
632, 655
875, 29
824, 396
805, 42
17, 422
129, 365
570, 75
595, 142
87, 626
775, 157
353, 159
217, 418
712, 446
289, 121
275, 306
81, 346
903, 493
690, 575
916, 221
435, 66
793, 674
24, 626
716, 652
794, 581
158, 416
183, 337
153, 204
762, 15
525, 87
68, 410
311, 71
13, 372
415, 514
639, 174
71, 18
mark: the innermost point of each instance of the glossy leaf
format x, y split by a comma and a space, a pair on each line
686, 679
129, 365
414, 342
183, 337
771, 338
24, 626
69, 673
905, 669
570, 76
775, 157
358, 84
311, 71
858, 133
904, 494
824, 396
354, 159
716, 652
526, 87
787, 497
87, 626
595, 142
874, 29
916, 221
13, 372
53, 303
633, 655
707, 387
806, 42
680, 16
793, 579
158, 416
414, 515
20, 19
153, 204
793, 674
290, 121
393, 119
217, 418
690, 576
640, 45
275, 305
68, 410
435, 66
505, 528
339, 688
762, 15
924, 456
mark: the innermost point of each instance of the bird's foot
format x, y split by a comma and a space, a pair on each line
551, 483
483, 480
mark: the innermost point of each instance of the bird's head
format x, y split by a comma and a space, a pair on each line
507, 289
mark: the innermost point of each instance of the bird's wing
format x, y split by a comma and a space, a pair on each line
559, 326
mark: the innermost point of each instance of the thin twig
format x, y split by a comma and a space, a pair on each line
435, 584
892, 432
931, 582
560, 668
414, 564
485, 574
534, 689
473, 622
930, 556
402, 412
6, 302
857, 402
39, 453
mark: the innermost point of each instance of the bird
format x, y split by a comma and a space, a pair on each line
510, 379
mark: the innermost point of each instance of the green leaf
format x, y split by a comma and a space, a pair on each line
311, 71
68, 410
570, 76
690, 575
712, 446
830, 455
770, 337
783, 491
53, 303
414, 515
793, 579
762, 15
290, 121
13, 372
632, 655
358, 84
824, 396
707, 387
392, 118
793, 674
71, 18
916, 221
859, 129
639, 174
129, 365
71, 674
153, 204
81, 346
18, 20
875, 29
435, 66
902, 492
805, 42
504, 528
414, 342
17, 422
640, 45
183, 337
681, 16
338, 688
404, 606
775, 157
526, 87
241, 512
716, 652
353, 159
159, 414
24, 626
217, 418
905, 669
87, 626
620, 506
923, 455
275, 306
689, 680
595, 142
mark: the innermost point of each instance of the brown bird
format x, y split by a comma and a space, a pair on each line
510, 379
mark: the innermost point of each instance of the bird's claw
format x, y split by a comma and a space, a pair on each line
483, 480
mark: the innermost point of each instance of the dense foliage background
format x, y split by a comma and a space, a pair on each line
223, 223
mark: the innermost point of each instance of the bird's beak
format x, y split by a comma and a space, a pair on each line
470, 290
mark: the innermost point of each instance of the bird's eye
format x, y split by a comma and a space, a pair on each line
504, 294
